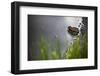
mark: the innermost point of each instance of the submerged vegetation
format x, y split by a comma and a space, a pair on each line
44, 47
56, 53
78, 49
74, 50
84, 47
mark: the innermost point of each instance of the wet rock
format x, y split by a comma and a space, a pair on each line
73, 30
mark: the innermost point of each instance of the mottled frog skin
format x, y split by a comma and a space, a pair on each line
73, 30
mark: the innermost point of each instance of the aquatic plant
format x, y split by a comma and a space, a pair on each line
73, 52
84, 47
56, 54
43, 45
79, 49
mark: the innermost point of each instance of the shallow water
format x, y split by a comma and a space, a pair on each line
51, 28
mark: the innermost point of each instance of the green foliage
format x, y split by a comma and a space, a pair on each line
79, 49
45, 46
56, 54
84, 47
73, 52
43, 49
